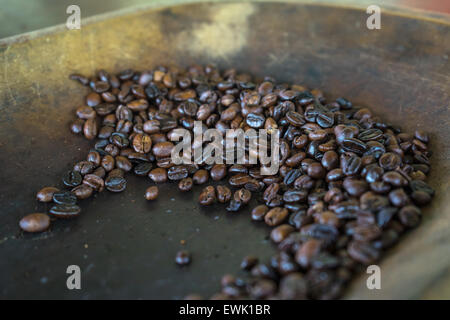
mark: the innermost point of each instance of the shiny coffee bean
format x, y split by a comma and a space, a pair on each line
46, 194
35, 222
151, 193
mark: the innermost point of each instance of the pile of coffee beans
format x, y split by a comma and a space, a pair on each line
347, 187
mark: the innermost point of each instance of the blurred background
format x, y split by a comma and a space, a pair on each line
19, 16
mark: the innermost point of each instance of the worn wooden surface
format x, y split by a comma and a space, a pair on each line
402, 69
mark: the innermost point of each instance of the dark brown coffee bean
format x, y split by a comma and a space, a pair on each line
293, 287
390, 161
183, 258
259, 212
35, 222
363, 252
108, 163
90, 128
123, 163
115, 183
65, 211
142, 143
410, 216
151, 193
280, 233
218, 172
94, 181
163, 149
276, 216
307, 251
207, 196
394, 178
82, 191
248, 262
46, 194
142, 169
185, 184
158, 175
201, 176
177, 172
93, 99
243, 195
223, 194
72, 179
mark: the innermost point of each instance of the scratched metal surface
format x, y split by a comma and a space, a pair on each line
124, 245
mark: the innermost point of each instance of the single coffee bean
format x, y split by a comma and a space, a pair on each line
248, 262
183, 258
64, 197
46, 194
115, 183
243, 195
218, 172
82, 191
151, 193
158, 175
223, 194
185, 184
409, 216
72, 179
276, 216
200, 177
35, 222
65, 211
259, 212
280, 233
207, 196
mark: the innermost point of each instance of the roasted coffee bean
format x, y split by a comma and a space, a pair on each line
142, 143
259, 212
64, 197
46, 194
295, 196
115, 183
223, 194
163, 149
280, 233
94, 181
394, 178
158, 175
409, 216
248, 262
234, 206
276, 216
151, 193
84, 167
82, 191
243, 195
354, 145
307, 251
35, 222
90, 128
207, 196
65, 211
72, 179
293, 287
200, 177
255, 120
108, 163
142, 169
363, 252
390, 161
123, 163
185, 184
177, 172
183, 258
218, 172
